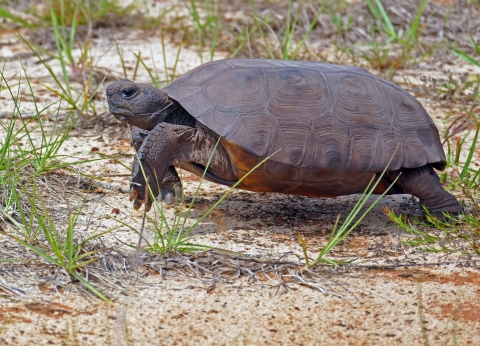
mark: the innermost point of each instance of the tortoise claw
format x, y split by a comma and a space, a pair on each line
148, 206
137, 204
169, 198
133, 194
173, 195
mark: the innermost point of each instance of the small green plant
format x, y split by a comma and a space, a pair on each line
82, 12
175, 237
335, 8
467, 177
339, 233
400, 47
65, 34
62, 247
436, 235
450, 235
467, 57
408, 37
64, 42
285, 46
383, 57
28, 151
21, 149
207, 26
5, 13
467, 89
153, 72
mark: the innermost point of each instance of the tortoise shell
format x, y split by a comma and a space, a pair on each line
328, 128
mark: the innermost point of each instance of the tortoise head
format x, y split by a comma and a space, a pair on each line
140, 105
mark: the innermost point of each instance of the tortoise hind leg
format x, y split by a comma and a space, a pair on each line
424, 183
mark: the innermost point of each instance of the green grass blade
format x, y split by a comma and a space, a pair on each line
475, 44
152, 78
90, 287
413, 30
386, 22
470, 155
4, 13
468, 58
212, 208
259, 26
346, 228
307, 34
60, 43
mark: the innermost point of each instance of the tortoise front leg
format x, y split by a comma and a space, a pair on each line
171, 186
424, 183
169, 144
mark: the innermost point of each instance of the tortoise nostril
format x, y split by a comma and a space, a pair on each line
128, 92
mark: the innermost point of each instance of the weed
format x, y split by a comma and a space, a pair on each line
450, 235
466, 88
20, 147
338, 21
400, 47
64, 42
351, 221
62, 248
175, 237
153, 72
467, 57
437, 235
465, 177
409, 37
22, 159
6, 14
386, 58
69, 11
285, 45
207, 25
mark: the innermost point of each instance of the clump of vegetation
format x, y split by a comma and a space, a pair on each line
24, 158
90, 13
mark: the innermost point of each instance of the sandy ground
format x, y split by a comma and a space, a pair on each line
392, 294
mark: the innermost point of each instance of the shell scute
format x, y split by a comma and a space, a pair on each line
257, 130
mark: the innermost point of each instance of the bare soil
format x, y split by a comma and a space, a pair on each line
393, 294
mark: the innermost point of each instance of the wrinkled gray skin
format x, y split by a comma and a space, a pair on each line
166, 136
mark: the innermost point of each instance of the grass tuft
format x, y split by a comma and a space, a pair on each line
352, 220
30, 150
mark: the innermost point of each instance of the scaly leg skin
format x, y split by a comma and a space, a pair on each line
171, 186
169, 144
424, 183
138, 137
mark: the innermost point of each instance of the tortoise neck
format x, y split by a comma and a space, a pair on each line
176, 114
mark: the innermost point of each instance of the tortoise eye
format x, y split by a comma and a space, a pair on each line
128, 92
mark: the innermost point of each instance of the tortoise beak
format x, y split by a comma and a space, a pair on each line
121, 113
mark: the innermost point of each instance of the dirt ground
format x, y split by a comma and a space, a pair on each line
393, 294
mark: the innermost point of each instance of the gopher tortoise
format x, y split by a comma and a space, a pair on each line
328, 129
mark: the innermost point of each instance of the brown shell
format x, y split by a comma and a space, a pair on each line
309, 115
